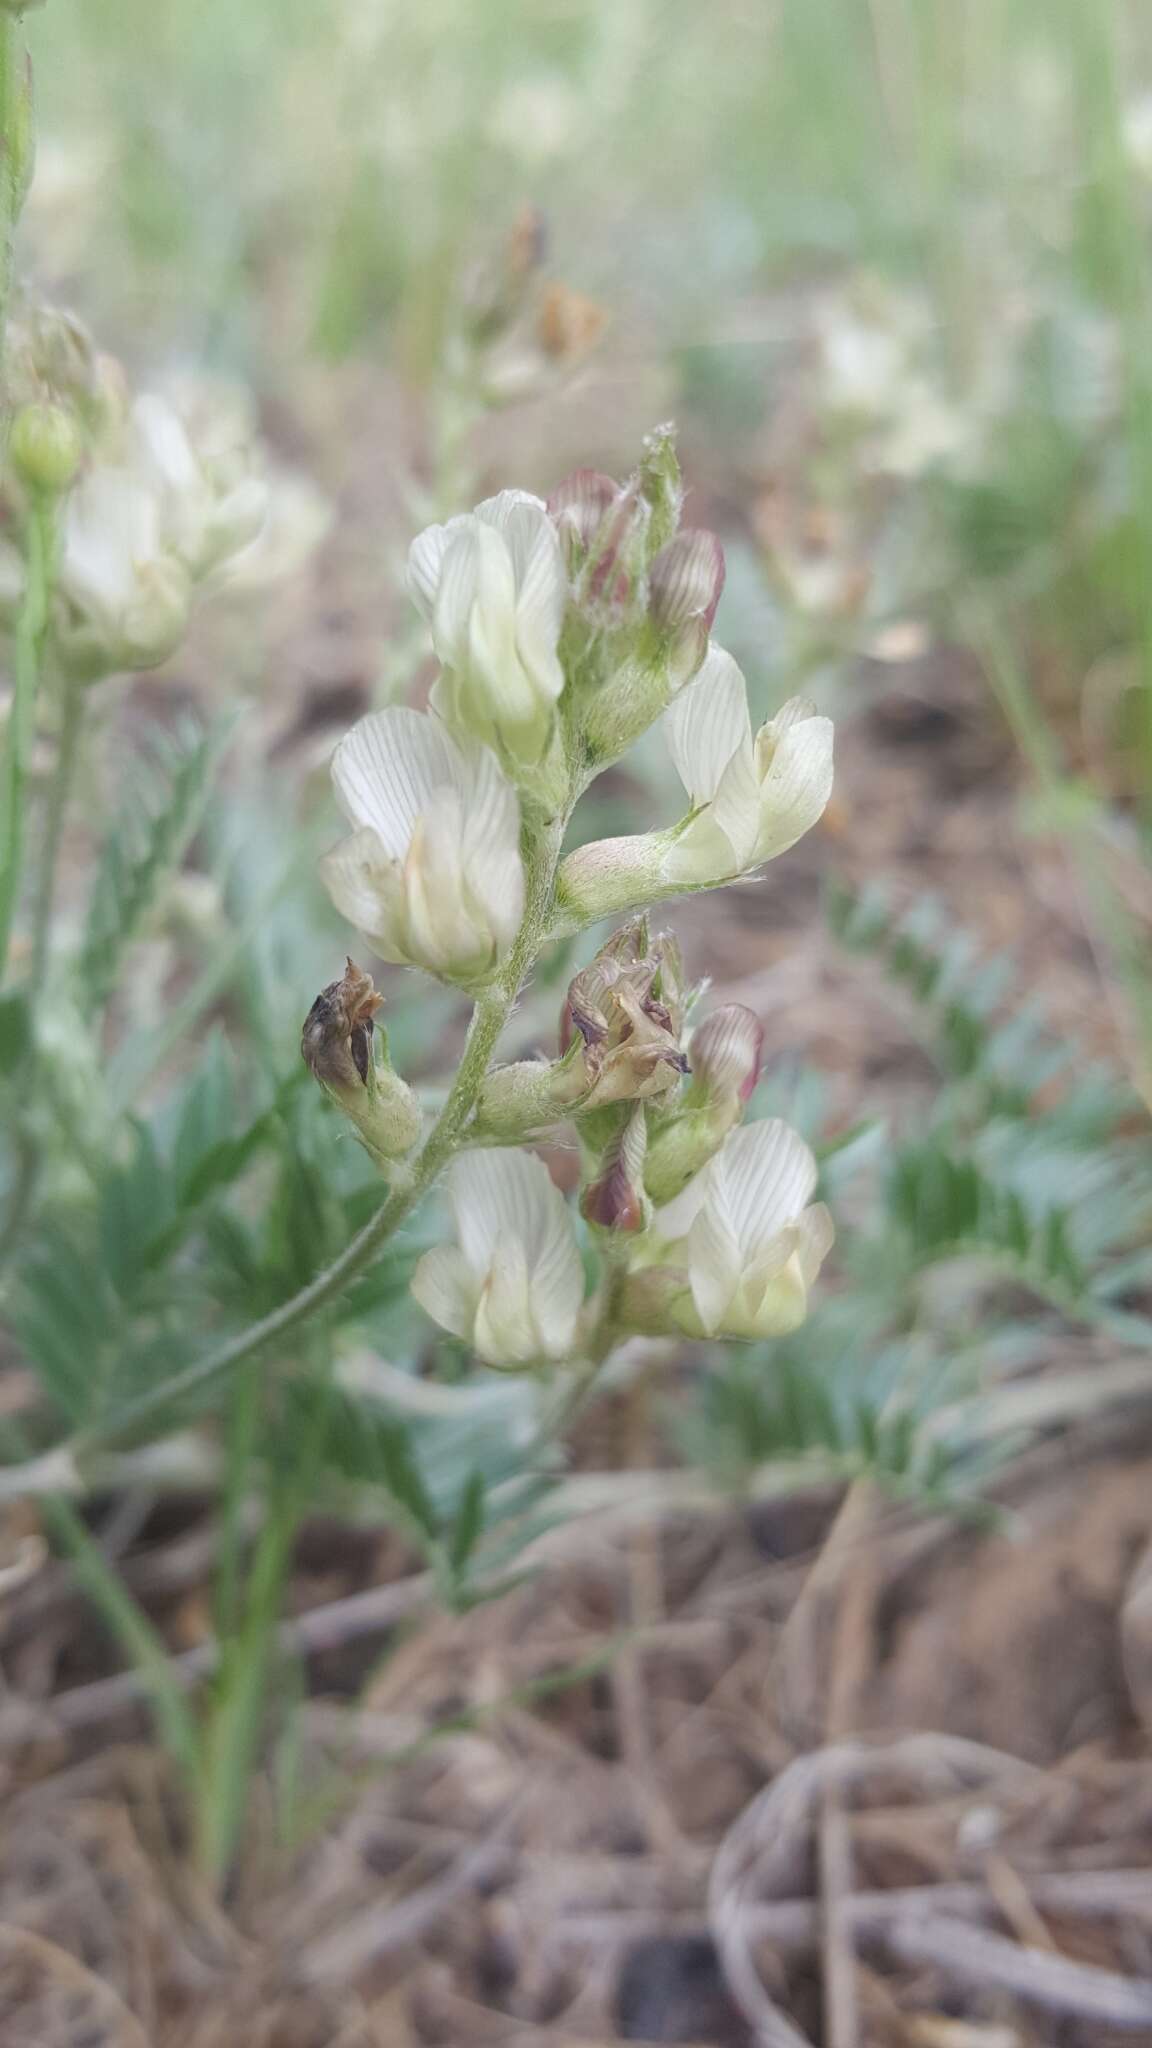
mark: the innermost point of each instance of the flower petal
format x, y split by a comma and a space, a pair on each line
760, 1181
714, 1260
706, 724
444, 1286
815, 1236
493, 868
366, 885
495, 1193
504, 1332
736, 810
518, 517
425, 559
500, 1197
797, 783
387, 768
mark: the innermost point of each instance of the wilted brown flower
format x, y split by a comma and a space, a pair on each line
337, 1038
337, 1044
625, 1009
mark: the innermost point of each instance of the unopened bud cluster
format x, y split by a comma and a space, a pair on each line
564, 628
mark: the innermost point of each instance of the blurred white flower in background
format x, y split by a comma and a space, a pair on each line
1136, 134
212, 503
536, 117
125, 593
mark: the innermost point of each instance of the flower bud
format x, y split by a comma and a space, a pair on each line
45, 447
659, 483
492, 586
337, 1044
578, 508
685, 583
724, 1058
616, 1201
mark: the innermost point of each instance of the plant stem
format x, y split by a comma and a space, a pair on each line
27, 665
491, 1012
59, 798
15, 150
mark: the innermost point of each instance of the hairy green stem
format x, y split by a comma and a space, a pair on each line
27, 666
493, 1007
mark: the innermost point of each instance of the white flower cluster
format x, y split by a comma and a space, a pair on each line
562, 629
150, 518
153, 498
432, 872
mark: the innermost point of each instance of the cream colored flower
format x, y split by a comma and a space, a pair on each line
752, 795
493, 587
432, 871
513, 1284
212, 506
742, 1246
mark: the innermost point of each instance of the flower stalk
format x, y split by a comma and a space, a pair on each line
458, 816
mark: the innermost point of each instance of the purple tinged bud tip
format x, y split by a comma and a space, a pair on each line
616, 1200
578, 508
686, 580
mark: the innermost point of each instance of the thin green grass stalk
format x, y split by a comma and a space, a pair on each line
240, 1441
236, 1720
132, 1628
127, 1622
15, 150
27, 668
59, 799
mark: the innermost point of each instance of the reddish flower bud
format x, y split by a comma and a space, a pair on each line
578, 508
726, 1053
616, 1200
687, 578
